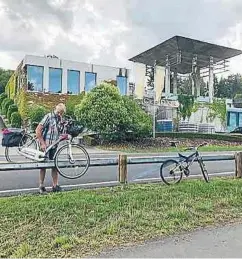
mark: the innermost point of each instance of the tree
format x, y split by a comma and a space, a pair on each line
4, 77
228, 87
186, 103
105, 111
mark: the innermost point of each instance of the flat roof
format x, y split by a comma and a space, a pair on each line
188, 47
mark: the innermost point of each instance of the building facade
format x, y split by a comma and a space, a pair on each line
50, 74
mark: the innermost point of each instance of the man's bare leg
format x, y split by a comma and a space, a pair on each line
41, 180
56, 187
54, 177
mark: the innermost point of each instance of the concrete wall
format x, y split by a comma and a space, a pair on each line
103, 72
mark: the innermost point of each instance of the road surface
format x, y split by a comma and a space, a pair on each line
219, 242
10, 180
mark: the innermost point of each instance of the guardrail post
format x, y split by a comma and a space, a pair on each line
122, 168
238, 164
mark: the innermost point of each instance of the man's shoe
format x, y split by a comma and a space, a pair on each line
56, 188
42, 190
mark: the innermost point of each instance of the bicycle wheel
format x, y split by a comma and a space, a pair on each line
204, 170
171, 172
13, 155
72, 162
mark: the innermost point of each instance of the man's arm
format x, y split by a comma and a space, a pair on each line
39, 131
39, 135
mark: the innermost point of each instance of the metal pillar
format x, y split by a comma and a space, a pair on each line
194, 73
198, 82
154, 107
167, 78
211, 78
175, 83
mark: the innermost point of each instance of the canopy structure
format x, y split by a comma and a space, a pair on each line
180, 52
181, 55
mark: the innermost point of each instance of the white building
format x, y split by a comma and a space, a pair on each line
54, 75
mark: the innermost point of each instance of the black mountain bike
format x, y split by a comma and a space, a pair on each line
171, 171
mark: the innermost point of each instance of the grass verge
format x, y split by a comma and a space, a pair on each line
84, 222
210, 148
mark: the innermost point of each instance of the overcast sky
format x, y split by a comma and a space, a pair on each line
111, 31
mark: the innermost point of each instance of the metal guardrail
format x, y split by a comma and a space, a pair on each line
108, 162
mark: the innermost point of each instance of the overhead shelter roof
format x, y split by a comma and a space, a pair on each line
188, 48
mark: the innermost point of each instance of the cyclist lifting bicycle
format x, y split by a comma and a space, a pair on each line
48, 131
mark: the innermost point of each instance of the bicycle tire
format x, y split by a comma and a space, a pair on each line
164, 165
23, 141
204, 171
59, 168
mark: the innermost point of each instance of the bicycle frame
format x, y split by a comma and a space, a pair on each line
189, 159
40, 156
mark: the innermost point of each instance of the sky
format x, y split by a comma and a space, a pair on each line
109, 32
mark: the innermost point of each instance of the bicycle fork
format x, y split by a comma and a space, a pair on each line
201, 164
69, 150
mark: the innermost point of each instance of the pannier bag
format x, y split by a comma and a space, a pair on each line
11, 139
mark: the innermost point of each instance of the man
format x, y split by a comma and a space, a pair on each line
47, 132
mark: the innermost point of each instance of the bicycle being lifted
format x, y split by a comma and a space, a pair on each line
172, 171
71, 160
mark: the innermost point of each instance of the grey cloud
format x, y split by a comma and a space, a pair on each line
150, 22
40, 10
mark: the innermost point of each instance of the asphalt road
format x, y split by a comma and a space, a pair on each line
11, 180
220, 242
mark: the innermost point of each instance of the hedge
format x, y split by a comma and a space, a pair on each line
12, 108
189, 135
16, 120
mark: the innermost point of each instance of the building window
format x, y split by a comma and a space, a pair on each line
73, 82
90, 81
122, 84
232, 119
35, 78
55, 80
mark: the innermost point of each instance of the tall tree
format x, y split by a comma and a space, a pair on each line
4, 77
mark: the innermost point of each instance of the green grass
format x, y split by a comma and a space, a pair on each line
209, 148
81, 223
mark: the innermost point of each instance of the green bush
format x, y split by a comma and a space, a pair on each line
71, 103
36, 114
2, 97
104, 111
5, 105
216, 136
12, 108
16, 120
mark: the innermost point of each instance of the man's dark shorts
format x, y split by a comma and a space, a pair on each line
51, 153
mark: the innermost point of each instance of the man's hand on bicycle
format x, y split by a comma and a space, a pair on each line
43, 146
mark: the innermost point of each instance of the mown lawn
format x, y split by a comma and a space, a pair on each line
81, 223
209, 148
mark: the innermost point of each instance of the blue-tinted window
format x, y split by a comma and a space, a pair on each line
55, 77
122, 84
90, 81
240, 119
73, 82
35, 78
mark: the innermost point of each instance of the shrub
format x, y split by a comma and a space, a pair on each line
71, 103
112, 116
16, 120
2, 97
12, 108
5, 105
36, 114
